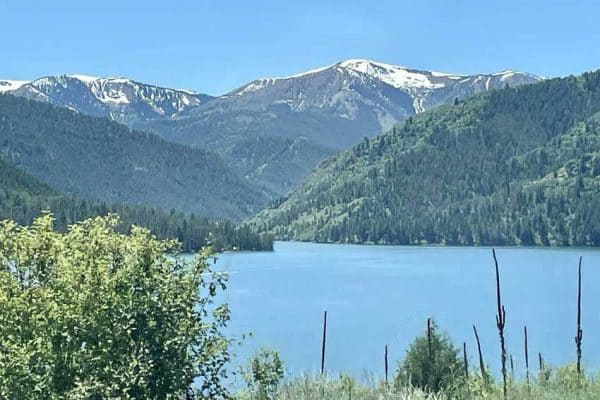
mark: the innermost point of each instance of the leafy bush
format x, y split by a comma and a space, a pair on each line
432, 364
94, 314
568, 378
264, 374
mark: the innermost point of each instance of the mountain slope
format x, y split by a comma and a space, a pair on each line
98, 159
513, 166
23, 198
275, 164
122, 100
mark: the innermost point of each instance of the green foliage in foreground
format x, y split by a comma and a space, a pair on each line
431, 370
23, 198
263, 375
94, 314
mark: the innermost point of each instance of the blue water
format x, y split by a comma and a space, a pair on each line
378, 295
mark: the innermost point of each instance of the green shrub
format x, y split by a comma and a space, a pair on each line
264, 374
94, 314
442, 369
567, 378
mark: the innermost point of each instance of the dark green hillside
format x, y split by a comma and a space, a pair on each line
275, 164
23, 197
512, 166
94, 158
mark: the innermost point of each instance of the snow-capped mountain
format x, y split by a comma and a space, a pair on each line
356, 81
120, 99
271, 126
334, 106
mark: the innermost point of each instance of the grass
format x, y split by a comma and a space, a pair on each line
559, 384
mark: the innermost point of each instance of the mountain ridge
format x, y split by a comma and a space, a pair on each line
334, 106
512, 166
121, 99
114, 91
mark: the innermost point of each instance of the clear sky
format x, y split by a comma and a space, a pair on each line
213, 46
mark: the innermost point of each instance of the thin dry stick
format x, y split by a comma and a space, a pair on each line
385, 363
512, 368
466, 361
526, 357
500, 323
324, 342
481, 363
579, 336
429, 346
541, 361
429, 338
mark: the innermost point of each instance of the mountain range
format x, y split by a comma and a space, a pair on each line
271, 131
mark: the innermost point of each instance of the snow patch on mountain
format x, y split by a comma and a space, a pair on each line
10, 85
256, 85
84, 78
400, 77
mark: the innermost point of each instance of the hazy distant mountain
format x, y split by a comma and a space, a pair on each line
122, 100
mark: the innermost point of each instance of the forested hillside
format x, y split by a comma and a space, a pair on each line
275, 164
512, 166
23, 197
95, 158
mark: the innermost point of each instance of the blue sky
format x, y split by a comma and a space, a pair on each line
215, 46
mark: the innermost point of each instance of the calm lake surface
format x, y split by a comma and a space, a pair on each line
378, 295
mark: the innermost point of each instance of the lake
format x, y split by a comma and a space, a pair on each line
378, 295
